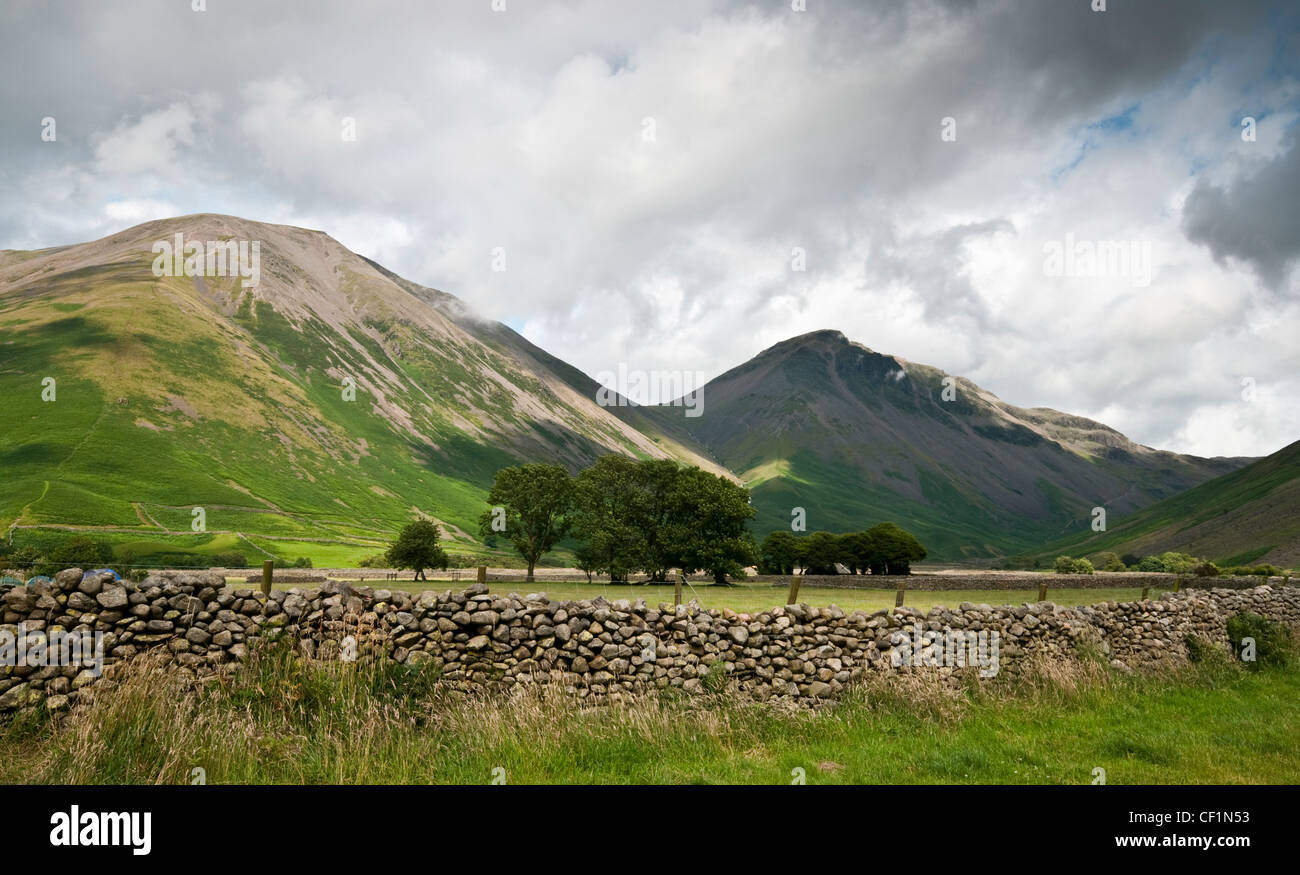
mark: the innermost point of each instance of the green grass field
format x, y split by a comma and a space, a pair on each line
333, 723
1254, 507
749, 598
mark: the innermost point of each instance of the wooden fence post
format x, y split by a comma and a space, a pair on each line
794, 590
677, 590
482, 574
267, 565
1042, 592
898, 597
1178, 584
1146, 591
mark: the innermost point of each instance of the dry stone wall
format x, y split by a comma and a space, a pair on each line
593, 648
1019, 581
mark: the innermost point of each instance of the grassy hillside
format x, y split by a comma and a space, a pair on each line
855, 437
173, 393
181, 392
1251, 515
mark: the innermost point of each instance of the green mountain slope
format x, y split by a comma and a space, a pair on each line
1251, 515
174, 393
855, 437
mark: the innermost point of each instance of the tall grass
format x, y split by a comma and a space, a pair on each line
280, 719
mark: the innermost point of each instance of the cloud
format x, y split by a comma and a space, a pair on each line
150, 144
650, 171
1253, 218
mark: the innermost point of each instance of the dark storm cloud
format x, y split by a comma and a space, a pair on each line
1254, 218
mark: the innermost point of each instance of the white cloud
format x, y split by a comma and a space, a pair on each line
772, 129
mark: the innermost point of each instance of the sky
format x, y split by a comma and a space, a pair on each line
678, 186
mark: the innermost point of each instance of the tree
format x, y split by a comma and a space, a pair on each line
585, 561
1109, 561
857, 550
653, 481
623, 510
417, 548
532, 504
1178, 563
81, 551
822, 552
24, 558
706, 525
606, 518
1067, 565
779, 553
892, 549
77, 551
801, 555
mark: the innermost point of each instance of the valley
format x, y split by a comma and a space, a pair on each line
313, 414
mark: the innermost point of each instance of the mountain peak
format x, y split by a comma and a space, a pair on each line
825, 338
831, 335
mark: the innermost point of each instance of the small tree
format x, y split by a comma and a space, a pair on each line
1178, 563
822, 552
584, 558
532, 504
856, 551
80, 550
1109, 562
779, 553
417, 548
24, 558
894, 549
77, 551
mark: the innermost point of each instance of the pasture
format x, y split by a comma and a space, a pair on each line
753, 598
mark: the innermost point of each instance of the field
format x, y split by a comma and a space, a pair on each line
752, 598
334, 723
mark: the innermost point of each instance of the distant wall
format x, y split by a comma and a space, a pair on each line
594, 648
1023, 581
924, 582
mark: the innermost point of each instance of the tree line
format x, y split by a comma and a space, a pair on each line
649, 516
628, 515
882, 549
81, 551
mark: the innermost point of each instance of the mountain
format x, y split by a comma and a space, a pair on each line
178, 392
1251, 515
315, 410
856, 437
